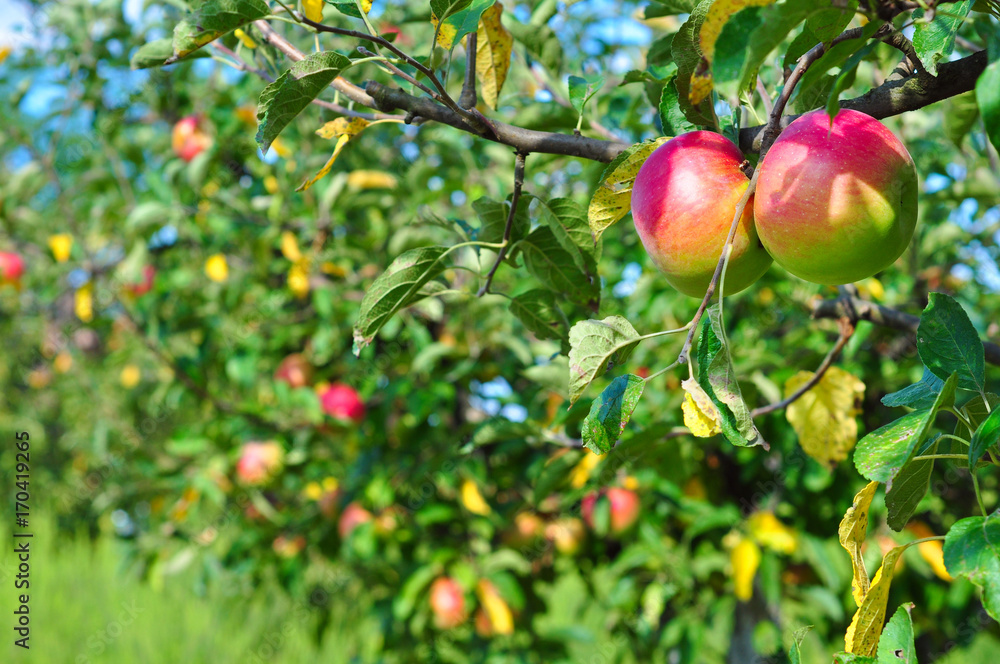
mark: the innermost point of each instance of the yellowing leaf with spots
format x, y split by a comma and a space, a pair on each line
61, 246
769, 532
217, 268
745, 559
130, 376
313, 10
823, 417
445, 33
866, 628
341, 142
364, 179
700, 414
493, 47
341, 127
83, 302
613, 198
290, 246
366, 6
719, 13
852, 531
472, 499
244, 38
582, 471
501, 619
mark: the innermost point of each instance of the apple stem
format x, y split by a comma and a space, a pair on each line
505, 243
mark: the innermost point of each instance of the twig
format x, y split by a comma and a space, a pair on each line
846, 331
518, 183
764, 96
396, 71
593, 124
468, 97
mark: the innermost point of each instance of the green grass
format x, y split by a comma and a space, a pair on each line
87, 607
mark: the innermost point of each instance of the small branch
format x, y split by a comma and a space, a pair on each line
468, 97
518, 183
846, 331
884, 316
594, 125
396, 71
764, 96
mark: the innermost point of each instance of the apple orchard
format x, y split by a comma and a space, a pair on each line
524, 332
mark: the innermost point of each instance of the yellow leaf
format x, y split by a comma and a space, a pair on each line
281, 149
932, 551
745, 559
613, 198
366, 6
866, 627
83, 303
473, 500
244, 38
493, 47
61, 246
217, 268
445, 33
363, 179
341, 127
852, 531
501, 619
341, 142
313, 10
130, 376
63, 362
700, 414
298, 279
290, 246
4, 52
824, 416
581, 472
313, 491
271, 184
718, 15
765, 528
247, 115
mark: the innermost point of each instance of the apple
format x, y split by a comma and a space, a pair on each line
144, 286
288, 547
259, 462
11, 266
342, 402
836, 203
294, 370
447, 602
624, 508
353, 516
683, 202
189, 139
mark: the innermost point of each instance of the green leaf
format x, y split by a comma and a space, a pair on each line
593, 345
686, 52
960, 116
552, 265
669, 8
467, 20
986, 436
975, 411
827, 23
972, 549
988, 99
850, 658
838, 54
613, 198
348, 8
398, 287
408, 595
153, 54
845, 79
794, 654
553, 474
908, 488
919, 395
947, 342
610, 413
493, 219
718, 378
671, 117
882, 453
213, 19
540, 313
895, 646
568, 221
934, 41
290, 94
582, 89
445, 8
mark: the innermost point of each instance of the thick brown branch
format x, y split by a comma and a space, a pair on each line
858, 309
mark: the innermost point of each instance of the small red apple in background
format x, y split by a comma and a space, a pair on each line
294, 370
353, 516
447, 602
11, 267
836, 204
144, 286
189, 139
288, 547
259, 462
683, 202
342, 402
625, 507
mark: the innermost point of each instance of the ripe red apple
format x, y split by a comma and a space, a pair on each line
294, 370
683, 202
836, 204
342, 402
11, 266
144, 286
447, 602
353, 516
624, 508
259, 462
189, 139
